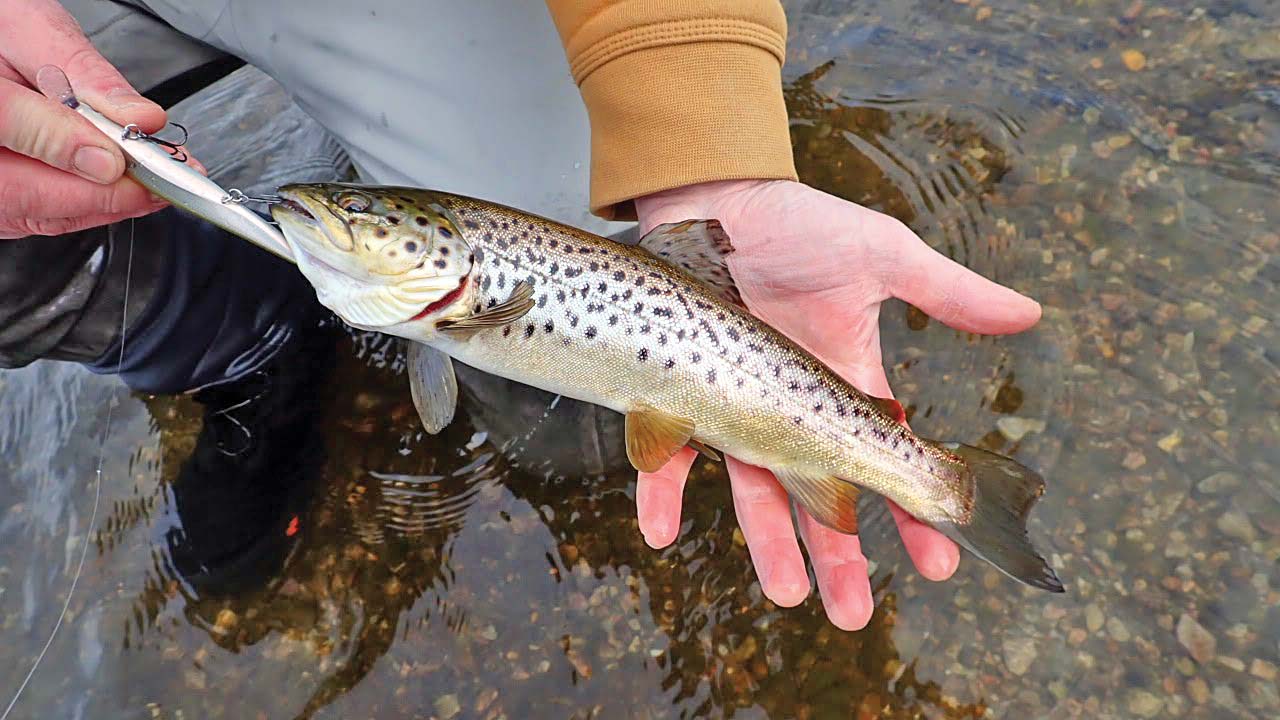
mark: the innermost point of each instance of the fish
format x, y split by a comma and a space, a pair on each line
656, 331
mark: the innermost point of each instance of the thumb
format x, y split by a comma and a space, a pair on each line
46, 34
954, 294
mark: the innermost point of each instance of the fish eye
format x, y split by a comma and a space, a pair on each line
352, 201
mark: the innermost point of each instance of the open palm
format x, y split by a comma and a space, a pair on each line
817, 268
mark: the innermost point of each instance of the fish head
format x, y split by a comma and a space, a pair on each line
377, 256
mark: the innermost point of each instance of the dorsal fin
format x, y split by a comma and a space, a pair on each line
698, 247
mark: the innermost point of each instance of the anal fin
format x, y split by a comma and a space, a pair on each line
890, 407
654, 437
702, 448
830, 500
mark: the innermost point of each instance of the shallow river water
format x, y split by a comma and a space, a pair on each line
1119, 161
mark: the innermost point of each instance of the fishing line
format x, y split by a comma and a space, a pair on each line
97, 489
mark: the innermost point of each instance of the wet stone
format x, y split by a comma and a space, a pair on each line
1233, 523
1199, 642
1019, 653
1117, 630
1093, 617
1218, 482
1016, 428
446, 706
1144, 704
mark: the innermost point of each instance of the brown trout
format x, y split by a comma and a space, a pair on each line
655, 331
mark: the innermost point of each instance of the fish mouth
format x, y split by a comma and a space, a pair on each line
297, 208
307, 211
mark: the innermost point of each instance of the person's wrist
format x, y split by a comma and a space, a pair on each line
707, 200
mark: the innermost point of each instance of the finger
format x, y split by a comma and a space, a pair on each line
764, 514
842, 573
40, 128
61, 226
952, 293
935, 556
45, 34
32, 190
659, 496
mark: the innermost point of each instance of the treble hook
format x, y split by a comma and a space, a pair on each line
175, 149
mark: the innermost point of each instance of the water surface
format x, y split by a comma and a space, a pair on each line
1116, 160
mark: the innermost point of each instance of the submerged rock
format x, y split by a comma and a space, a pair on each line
1202, 645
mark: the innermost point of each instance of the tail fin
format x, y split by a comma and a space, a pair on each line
997, 529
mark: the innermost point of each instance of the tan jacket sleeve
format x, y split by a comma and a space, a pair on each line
678, 92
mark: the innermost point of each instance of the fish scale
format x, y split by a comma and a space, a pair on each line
656, 332
627, 329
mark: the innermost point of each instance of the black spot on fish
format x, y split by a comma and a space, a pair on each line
394, 219
423, 222
572, 271
492, 302
662, 312
555, 268
626, 295
662, 338
643, 354
594, 266
639, 281
711, 377
554, 242
670, 363
740, 382
619, 276
506, 331
542, 301
601, 287
471, 224
732, 333
441, 264
444, 251
613, 320
380, 232
680, 334
548, 326
528, 330
484, 284
817, 407
639, 308
591, 332
560, 295
793, 386
696, 358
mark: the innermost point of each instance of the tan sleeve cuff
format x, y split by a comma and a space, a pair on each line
681, 100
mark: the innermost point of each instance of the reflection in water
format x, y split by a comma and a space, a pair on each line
357, 567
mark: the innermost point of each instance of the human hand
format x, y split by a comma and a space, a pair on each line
817, 268
58, 173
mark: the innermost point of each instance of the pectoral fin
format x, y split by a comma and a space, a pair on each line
515, 307
433, 386
830, 500
699, 247
653, 437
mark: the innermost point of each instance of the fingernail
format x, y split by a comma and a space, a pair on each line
126, 98
97, 164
